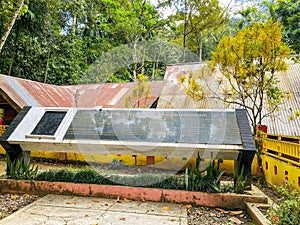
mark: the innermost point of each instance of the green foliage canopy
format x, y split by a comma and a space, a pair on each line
288, 13
56, 41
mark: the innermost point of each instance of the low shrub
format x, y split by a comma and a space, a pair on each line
205, 181
91, 176
288, 211
64, 175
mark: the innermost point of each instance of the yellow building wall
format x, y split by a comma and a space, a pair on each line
278, 172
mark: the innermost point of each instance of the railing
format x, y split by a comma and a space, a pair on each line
2, 129
285, 148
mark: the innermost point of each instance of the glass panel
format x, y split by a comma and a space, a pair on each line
49, 123
156, 126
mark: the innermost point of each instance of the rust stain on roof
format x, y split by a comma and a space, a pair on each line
24, 92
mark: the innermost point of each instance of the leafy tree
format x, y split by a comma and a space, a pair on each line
139, 21
256, 11
38, 47
288, 13
197, 19
248, 17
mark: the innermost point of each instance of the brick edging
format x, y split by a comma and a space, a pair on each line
228, 201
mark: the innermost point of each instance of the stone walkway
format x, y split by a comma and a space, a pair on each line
74, 210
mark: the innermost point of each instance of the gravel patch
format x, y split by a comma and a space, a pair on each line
10, 203
209, 216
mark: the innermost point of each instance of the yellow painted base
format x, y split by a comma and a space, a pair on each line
159, 161
285, 171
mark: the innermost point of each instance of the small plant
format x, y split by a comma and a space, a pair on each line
21, 169
207, 180
116, 164
288, 211
240, 182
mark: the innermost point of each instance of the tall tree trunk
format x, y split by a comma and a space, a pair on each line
12, 58
200, 48
134, 58
10, 26
47, 66
184, 30
74, 24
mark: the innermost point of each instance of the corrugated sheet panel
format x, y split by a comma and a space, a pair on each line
280, 122
174, 96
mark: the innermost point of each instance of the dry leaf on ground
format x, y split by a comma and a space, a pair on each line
166, 208
198, 212
235, 220
236, 212
71, 203
127, 200
118, 200
189, 206
15, 196
221, 210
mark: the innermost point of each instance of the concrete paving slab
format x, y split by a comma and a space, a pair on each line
76, 202
74, 210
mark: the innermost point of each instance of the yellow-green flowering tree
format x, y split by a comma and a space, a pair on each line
140, 93
248, 63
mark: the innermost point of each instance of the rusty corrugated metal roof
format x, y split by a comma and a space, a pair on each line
111, 95
31, 93
174, 96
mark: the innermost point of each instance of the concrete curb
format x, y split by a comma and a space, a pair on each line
228, 201
256, 214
